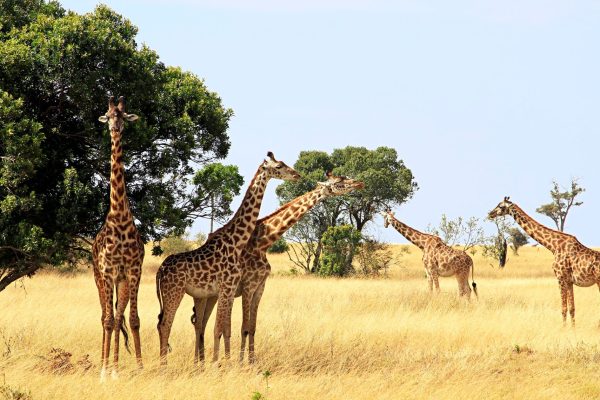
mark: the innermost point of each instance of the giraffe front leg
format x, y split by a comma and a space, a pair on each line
247, 292
429, 279
134, 318
253, 317
197, 318
563, 298
122, 300
223, 322
210, 305
571, 303
108, 324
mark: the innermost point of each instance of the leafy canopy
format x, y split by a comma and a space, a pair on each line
57, 69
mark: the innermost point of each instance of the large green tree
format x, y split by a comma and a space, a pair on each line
388, 182
57, 69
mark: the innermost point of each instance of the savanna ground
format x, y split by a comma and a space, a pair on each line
323, 338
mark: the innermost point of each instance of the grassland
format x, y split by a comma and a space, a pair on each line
382, 338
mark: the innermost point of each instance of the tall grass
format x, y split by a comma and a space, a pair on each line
326, 338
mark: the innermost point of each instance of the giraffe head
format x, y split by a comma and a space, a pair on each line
503, 208
387, 217
339, 185
116, 115
278, 169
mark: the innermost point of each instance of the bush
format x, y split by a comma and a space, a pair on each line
175, 244
339, 247
280, 246
374, 257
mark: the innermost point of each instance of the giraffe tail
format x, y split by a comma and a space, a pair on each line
473, 284
125, 332
159, 295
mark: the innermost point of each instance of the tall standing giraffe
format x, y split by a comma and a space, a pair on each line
256, 267
439, 259
118, 250
574, 264
213, 271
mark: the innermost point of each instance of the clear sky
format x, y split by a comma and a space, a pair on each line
481, 99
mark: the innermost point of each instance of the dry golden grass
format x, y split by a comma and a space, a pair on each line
327, 339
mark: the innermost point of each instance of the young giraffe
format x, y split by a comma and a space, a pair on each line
118, 250
255, 266
213, 271
439, 259
573, 262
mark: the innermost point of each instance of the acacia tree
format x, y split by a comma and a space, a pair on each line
466, 233
388, 182
57, 69
562, 202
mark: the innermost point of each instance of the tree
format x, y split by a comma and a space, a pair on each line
495, 246
279, 246
562, 202
339, 246
57, 70
216, 185
517, 239
467, 233
387, 181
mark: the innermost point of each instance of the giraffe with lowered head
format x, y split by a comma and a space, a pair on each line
213, 270
118, 250
439, 259
256, 267
574, 264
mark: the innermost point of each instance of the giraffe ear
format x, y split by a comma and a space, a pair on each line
130, 117
103, 119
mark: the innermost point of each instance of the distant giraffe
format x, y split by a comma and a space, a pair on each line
213, 271
255, 266
573, 262
439, 259
118, 250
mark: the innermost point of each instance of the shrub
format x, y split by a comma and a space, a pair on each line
339, 247
280, 246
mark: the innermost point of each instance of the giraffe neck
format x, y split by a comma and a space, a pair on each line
417, 238
242, 224
272, 227
540, 233
118, 195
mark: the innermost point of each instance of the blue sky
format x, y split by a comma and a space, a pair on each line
480, 99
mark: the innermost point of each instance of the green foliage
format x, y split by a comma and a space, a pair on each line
561, 204
466, 233
339, 246
216, 185
388, 182
57, 70
495, 246
517, 239
176, 244
279, 246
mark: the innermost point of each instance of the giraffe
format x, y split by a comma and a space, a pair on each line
211, 273
574, 264
439, 259
118, 250
256, 267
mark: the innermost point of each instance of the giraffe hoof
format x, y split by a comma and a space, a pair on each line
114, 375
103, 375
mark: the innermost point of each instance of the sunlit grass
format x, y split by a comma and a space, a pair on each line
327, 338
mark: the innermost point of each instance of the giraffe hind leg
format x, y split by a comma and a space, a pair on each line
122, 300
